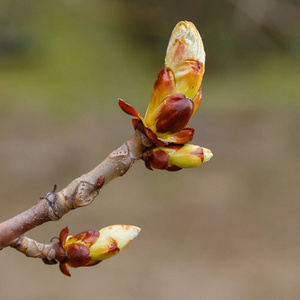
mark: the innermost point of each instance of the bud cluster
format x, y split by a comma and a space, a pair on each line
176, 95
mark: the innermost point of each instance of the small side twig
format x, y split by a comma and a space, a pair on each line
32, 248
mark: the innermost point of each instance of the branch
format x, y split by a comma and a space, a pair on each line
32, 248
161, 140
80, 192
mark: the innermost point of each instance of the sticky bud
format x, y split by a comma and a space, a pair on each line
90, 247
176, 94
176, 157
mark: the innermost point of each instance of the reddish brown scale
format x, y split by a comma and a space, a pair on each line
88, 237
184, 136
128, 109
175, 112
164, 78
156, 159
64, 269
138, 124
199, 152
75, 254
146, 158
153, 137
100, 182
164, 86
63, 236
135, 123
61, 254
146, 155
78, 255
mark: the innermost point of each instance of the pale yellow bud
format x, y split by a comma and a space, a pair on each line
112, 240
189, 156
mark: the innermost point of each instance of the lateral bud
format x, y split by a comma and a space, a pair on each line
90, 247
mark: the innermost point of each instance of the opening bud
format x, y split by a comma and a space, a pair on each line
90, 247
176, 157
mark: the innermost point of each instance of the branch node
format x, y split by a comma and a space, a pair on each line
51, 200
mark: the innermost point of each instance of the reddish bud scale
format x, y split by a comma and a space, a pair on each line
63, 236
164, 86
135, 123
174, 157
174, 113
183, 136
89, 237
138, 124
64, 269
157, 159
75, 254
199, 153
128, 109
61, 254
78, 255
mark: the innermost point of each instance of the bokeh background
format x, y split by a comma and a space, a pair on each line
226, 230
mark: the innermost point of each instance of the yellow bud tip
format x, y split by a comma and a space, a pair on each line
207, 154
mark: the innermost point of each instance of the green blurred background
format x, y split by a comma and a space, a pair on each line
226, 230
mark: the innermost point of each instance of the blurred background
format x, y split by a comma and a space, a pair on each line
226, 230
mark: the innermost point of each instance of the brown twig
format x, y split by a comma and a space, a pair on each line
80, 192
32, 248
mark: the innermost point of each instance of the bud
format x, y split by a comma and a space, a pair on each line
112, 240
176, 157
176, 93
90, 247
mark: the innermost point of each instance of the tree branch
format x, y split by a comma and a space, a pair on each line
80, 192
